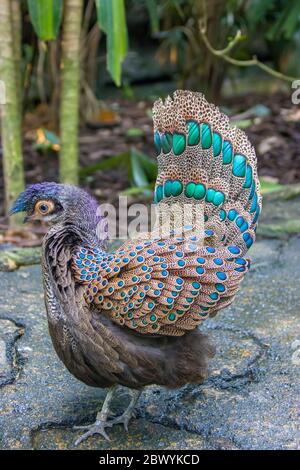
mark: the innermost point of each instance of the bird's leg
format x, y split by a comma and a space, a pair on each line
128, 413
101, 420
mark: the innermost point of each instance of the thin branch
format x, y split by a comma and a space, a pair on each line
223, 54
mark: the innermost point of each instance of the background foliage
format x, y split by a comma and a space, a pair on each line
70, 55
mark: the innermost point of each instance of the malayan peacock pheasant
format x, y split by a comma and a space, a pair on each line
130, 317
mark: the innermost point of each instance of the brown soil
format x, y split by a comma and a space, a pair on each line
276, 138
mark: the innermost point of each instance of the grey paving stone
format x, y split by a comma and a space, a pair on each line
250, 401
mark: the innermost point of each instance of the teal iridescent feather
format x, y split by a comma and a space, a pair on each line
239, 165
193, 133
189, 189
166, 142
157, 141
217, 143
227, 152
206, 137
178, 143
216, 167
199, 191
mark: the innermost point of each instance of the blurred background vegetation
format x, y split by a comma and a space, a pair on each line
81, 75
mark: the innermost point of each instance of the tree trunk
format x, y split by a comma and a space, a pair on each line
17, 40
10, 107
69, 108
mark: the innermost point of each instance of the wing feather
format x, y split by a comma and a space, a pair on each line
162, 285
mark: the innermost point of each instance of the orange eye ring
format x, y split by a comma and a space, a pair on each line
44, 207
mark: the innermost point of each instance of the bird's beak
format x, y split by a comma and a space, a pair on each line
18, 206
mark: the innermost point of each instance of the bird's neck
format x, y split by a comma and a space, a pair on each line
83, 225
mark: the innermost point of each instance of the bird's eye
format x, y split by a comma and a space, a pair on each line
44, 207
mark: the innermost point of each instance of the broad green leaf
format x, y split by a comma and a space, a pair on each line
116, 161
46, 17
256, 11
287, 22
135, 132
243, 123
112, 20
102, 14
268, 186
153, 15
139, 176
135, 190
141, 170
149, 165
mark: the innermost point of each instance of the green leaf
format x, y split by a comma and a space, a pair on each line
116, 161
287, 22
243, 123
136, 190
139, 176
142, 170
135, 132
256, 11
149, 165
102, 14
112, 20
153, 14
46, 17
268, 186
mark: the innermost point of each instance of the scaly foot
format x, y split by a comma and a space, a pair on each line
123, 419
101, 420
96, 428
129, 412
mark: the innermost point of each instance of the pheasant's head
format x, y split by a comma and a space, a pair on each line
57, 203
40, 202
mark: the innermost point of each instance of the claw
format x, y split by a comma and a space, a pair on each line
96, 428
123, 419
101, 420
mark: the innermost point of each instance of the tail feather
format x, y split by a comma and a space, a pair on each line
207, 166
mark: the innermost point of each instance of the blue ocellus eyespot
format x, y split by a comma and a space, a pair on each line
176, 188
248, 179
199, 191
193, 133
239, 165
157, 141
217, 144
166, 142
167, 188
189, 189
178, 143
227, 152
206, 137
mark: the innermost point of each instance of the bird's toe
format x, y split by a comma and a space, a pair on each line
97, 428
123, 419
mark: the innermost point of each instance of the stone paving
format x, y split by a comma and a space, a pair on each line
250, 401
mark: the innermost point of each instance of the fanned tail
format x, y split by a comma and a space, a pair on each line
207, 167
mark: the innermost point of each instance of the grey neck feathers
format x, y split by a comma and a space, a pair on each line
82, 222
